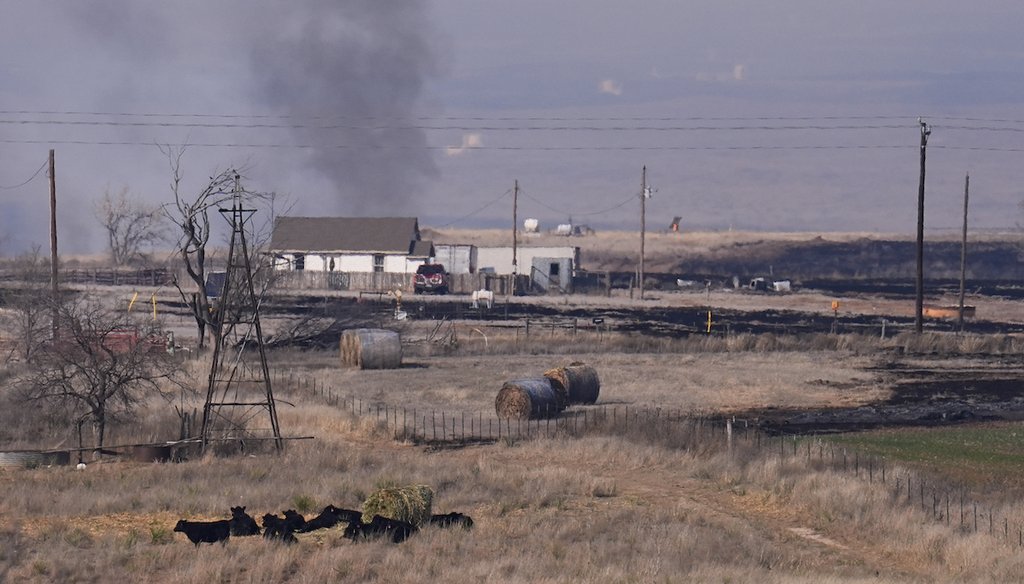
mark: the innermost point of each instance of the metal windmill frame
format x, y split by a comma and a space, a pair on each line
226, 411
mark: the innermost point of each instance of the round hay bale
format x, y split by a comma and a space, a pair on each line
371, 349
578, 381
530, 398
411, 503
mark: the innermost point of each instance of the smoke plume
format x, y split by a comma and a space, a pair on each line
359, 66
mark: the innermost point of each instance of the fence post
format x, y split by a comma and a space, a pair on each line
728, 434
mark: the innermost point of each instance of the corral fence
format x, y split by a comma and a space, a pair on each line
103, 276
936, 499
384, 281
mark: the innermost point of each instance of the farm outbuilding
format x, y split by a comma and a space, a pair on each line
551, 274
499, 259
456, 258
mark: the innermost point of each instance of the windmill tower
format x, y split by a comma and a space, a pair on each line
239, 391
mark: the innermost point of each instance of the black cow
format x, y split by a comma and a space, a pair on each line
330, 517
275, 527
397, 531
451, 520
294, 520
204, 531
242, 524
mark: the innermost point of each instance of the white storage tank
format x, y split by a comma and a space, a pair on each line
531, 226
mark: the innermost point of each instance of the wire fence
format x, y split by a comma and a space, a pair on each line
937, 499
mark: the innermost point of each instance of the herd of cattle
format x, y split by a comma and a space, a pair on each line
284, 528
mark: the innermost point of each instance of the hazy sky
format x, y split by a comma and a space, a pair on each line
790, 115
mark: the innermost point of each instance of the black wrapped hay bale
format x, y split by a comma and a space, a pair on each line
578, 381
371, 349
529, 399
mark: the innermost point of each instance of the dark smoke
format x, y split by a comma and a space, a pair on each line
360, 64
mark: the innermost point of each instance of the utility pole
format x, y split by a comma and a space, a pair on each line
919, 303
54, 291
515, 238
963, 254
643, 226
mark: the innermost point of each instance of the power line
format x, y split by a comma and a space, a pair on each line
272, 145
31, 178
464, 217
577, 214
463, 128
472, 118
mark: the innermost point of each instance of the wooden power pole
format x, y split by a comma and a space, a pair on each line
919, 302
54, 287
963, 255
515, 237
643, 226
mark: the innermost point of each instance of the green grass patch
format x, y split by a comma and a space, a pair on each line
990, 453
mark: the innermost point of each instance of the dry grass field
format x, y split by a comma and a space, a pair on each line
644, 505
651, 502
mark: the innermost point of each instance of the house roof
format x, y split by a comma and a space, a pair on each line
422, 249
345, 234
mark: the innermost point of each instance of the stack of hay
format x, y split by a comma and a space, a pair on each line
577, 381
529, 399
545, 397
371, 349
411, 503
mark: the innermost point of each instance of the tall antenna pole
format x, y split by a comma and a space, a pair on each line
963, 254
515, 243
54, 291
919, 303
643, 226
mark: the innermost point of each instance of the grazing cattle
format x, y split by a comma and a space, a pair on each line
451, 520
330, 517
242, 524
275, 527
204, 531
395, 530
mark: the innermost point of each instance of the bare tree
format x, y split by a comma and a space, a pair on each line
29, 314
100, 367
191, 216
131, 225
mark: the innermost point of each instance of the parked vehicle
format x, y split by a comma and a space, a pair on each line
431, 278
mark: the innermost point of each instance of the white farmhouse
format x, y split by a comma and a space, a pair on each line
349, 244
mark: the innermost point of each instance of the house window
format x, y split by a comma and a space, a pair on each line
378, 262
554, 269
300, 261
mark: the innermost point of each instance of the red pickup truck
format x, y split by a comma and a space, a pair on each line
430, 278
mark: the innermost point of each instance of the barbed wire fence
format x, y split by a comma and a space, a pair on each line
936, 499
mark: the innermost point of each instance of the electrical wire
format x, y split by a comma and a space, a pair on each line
474, 118
271, 145
584, 214
31, 178
464, 128
464, 217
